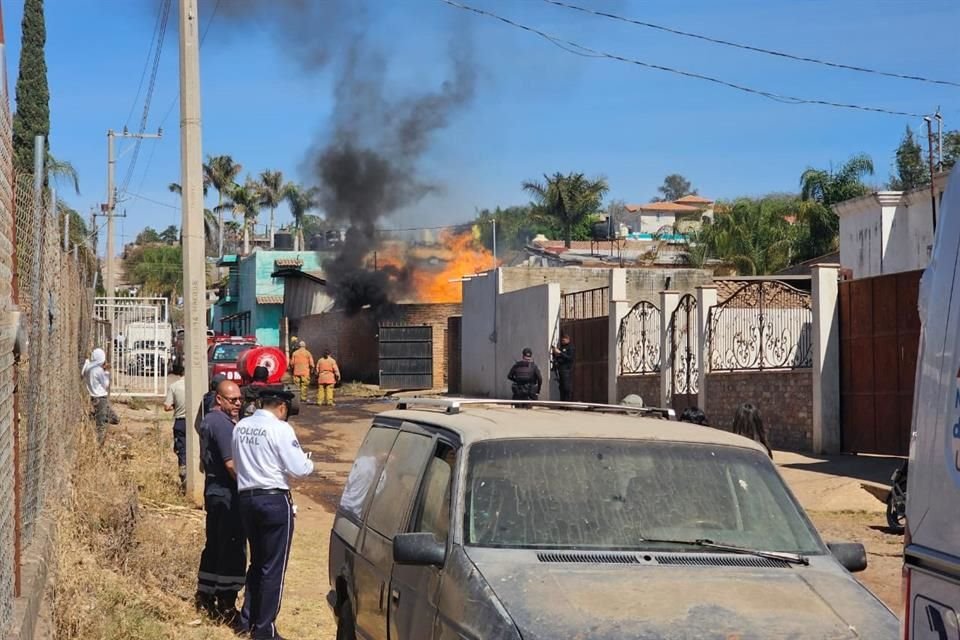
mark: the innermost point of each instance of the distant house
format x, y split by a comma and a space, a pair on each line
887, 231
684, 214
251, 298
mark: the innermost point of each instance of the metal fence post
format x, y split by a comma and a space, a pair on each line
706, 300
668, 304
826, 359
618, 309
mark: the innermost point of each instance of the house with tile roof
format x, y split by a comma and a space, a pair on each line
684, 214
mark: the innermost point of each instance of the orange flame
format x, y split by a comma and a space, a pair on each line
429, 270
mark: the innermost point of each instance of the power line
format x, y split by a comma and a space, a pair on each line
747, 47
146, 65
148, 99
137, 196
689, 74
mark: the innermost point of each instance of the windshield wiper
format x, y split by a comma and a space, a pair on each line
784, 556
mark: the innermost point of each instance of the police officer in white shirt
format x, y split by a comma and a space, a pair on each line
265, 454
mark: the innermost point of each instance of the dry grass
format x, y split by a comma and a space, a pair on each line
128, 542
359, 390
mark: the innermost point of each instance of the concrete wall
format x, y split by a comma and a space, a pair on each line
785, 400
525, 318
478, 347
642, 284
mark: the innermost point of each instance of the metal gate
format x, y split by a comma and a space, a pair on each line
137, 336
454, 344
583, 316
406, 356
879, 338
684, 363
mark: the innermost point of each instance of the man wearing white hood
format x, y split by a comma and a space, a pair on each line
96, 375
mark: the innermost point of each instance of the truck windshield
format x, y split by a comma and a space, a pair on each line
228, 352
613, 494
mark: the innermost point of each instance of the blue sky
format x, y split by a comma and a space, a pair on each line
536, 107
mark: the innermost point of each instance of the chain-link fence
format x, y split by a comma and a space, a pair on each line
42, 400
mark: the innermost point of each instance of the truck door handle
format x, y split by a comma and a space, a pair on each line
395, 596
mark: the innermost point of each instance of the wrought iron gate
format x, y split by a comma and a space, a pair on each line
684, 360
406, 356
639, 340
137, 337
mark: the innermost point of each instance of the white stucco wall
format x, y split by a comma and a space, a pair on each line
497, 326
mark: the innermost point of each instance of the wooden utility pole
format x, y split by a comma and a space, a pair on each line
933, 189
194, 267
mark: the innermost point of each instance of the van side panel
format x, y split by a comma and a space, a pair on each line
933, 493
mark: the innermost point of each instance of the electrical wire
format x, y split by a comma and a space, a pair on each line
148, 99
203, 37
747, 47
146, 65
556, 40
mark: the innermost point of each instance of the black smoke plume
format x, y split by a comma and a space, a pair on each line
366, 165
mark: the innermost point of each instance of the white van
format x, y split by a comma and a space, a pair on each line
931, 571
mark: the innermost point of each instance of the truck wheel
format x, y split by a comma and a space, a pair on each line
346, 629
894, 520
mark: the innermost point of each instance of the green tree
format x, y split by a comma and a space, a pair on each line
820, 189
221, 172
951, 148
516, 226
33, 94
568, 201
674, 187
912, 171
300, 199
156, 269
244, 201
63, 170
149, 235
271, 194
170, 235
752, 235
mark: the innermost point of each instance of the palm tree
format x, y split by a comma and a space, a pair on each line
566, 200
822, 188
63, 170
271, 194
221, 173
245, 202
211, 224
751, 235
300, 200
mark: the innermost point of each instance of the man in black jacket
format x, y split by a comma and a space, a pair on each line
563, 358
525, 376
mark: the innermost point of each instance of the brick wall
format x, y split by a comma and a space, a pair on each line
647, 386
785, 400
353, 339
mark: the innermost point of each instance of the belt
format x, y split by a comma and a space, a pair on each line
250, 493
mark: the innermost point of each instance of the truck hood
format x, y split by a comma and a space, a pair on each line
606, 602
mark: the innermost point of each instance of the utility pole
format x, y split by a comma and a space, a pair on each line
109, 277
194, 267
494, 223
939, 140
933, 189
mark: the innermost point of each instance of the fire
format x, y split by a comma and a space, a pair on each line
425, 273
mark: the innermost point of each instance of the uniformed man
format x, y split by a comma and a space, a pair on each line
302, 364
563, 359
266, 453
208, 403
176, 401
328, 375
224, 557
251, 392
526, 378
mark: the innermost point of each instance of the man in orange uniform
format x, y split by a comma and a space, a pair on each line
302, 364
328, 375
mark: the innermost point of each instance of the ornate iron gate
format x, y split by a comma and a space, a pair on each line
406, 356
639, 340
137, 336
684, 360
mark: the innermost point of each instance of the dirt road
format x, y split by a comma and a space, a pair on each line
334, 435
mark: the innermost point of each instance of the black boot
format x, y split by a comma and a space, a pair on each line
205, 603
227, 612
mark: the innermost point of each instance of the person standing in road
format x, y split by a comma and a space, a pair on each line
224, 556
176, 401
301, 362
267, 453
526, 378
96, 377
328, 375
563, 360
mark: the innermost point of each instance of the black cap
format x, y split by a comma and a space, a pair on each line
261, 374
527, 352
268, 393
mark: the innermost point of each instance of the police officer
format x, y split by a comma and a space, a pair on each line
266, 453
224, 556
176, 401
563, 358
251, 392
526, 378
